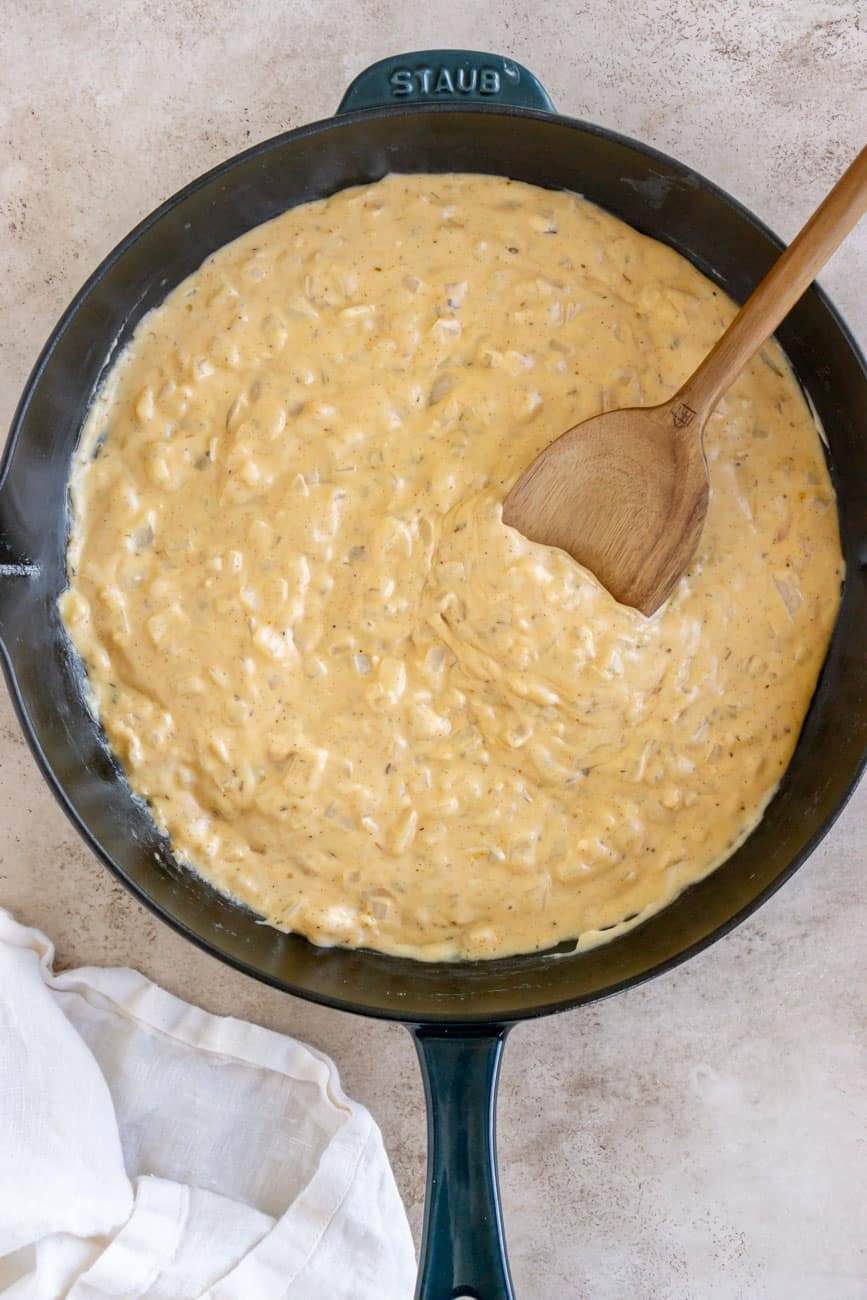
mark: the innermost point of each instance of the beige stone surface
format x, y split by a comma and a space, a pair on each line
703, 1137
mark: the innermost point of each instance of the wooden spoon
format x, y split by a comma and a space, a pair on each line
626, 493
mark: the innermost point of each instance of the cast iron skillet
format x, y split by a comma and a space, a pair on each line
434, 111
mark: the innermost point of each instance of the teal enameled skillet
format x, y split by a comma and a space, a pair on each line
435, 111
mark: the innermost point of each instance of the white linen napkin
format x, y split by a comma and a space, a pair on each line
148, 1149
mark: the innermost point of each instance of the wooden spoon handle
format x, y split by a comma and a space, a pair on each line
781, 288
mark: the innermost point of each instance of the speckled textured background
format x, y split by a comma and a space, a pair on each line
701, 1138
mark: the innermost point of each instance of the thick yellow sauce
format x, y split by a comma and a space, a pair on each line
355, 699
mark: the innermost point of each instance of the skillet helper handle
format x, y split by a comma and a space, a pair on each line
445, 77
463, 1250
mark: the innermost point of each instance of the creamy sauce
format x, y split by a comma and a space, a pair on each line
354, 699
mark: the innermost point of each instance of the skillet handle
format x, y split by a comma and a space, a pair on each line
463, 1250
446, 76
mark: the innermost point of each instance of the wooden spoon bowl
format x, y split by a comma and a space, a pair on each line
626, 493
